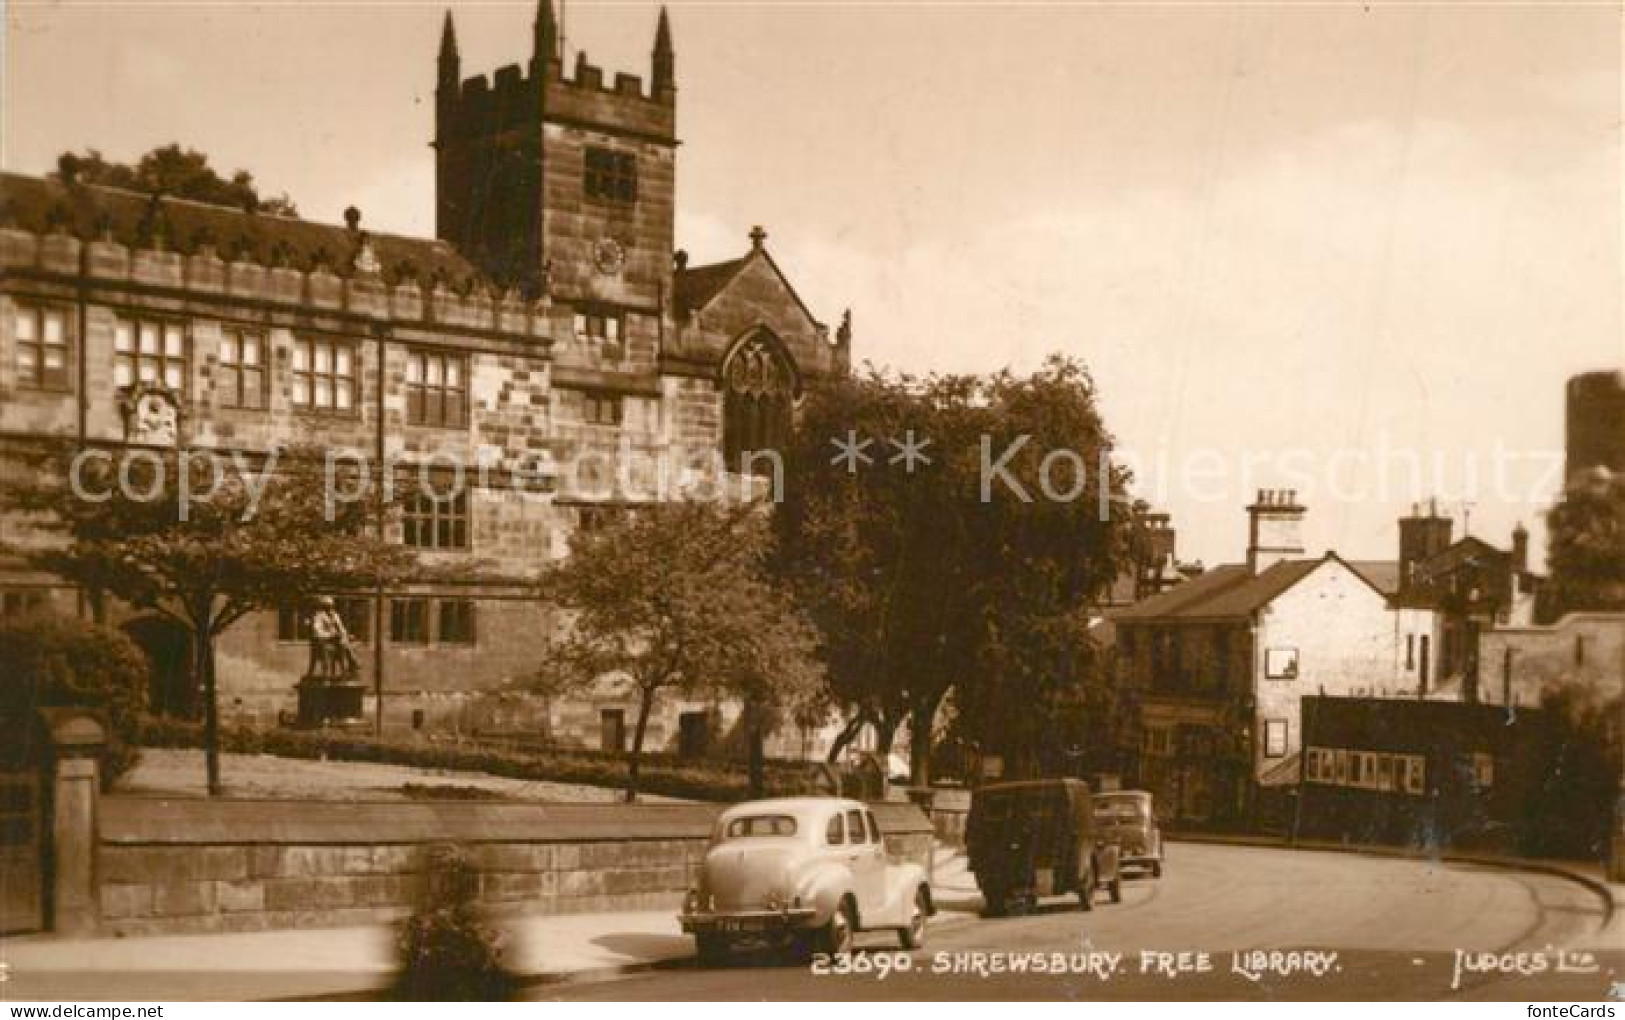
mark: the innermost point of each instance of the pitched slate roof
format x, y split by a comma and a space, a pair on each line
1465, 549
1233, 592
1193, 593
1225, 592
1382, 575
134, 218
694, 287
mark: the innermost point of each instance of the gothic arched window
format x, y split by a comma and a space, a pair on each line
758, 387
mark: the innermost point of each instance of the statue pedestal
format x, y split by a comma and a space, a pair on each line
328, 702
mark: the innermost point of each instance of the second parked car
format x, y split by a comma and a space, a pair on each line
1130, 818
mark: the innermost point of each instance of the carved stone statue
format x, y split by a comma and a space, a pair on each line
330, 654
151, 415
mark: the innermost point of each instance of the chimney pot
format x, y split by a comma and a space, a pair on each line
1275, 529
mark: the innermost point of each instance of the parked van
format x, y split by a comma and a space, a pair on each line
1033, 839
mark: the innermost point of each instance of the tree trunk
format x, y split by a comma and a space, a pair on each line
848, 733
885, 738
921, 723
203, 648
646, 699
757, 763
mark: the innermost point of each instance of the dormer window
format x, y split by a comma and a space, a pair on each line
611, 175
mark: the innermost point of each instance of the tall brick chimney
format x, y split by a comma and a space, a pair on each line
1422, 535
1274, 528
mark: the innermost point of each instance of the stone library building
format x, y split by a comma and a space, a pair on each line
551, 321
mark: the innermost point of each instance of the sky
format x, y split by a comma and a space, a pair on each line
1354, 250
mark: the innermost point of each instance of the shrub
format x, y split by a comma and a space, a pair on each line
447, 950
63, 662
1567, 807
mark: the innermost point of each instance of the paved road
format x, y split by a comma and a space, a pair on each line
1395, 927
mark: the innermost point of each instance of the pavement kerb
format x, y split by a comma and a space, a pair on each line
1602, 890
949, 920
585, 976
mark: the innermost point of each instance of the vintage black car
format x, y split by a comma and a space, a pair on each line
1129, 819
1032, 839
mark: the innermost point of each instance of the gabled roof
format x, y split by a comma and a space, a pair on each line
1181, 597
1382, 575
133, 218
1231, 592
695, 287
1259, 590
1465, 549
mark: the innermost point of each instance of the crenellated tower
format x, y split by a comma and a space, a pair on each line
561, 182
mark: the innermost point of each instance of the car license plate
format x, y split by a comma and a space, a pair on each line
742, 924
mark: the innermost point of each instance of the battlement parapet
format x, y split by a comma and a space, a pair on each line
59, 252
511, 98
205, 270
367, 293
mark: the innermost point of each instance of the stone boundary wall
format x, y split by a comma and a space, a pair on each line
170, 865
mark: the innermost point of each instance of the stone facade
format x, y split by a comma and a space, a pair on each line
1582, 650
551, 347
165, 866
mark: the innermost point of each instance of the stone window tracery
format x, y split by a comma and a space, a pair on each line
758, 388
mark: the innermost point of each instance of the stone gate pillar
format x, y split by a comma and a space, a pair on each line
77, 739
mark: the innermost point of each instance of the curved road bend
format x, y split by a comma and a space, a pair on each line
1395, 926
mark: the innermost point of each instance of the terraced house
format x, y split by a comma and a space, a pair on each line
1217, 667
550, 331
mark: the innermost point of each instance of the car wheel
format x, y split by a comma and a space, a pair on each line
994, 903
711, 948
836, 938
1086, 890
913, 936
800, 945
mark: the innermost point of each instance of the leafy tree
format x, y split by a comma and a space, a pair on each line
1567, 800
673, 599
970, 574
62, 662
1587, 552
172, 170
162, 532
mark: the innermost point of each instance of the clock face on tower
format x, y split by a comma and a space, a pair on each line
609, 256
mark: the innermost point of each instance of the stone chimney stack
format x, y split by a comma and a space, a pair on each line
1422, 535
1275, 529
